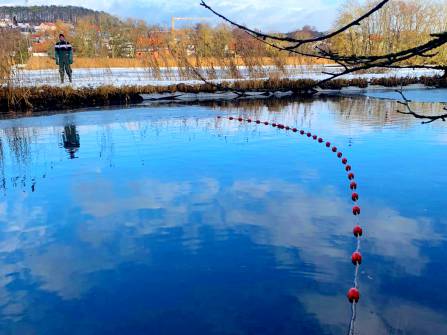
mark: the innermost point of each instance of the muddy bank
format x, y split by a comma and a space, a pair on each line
49, 98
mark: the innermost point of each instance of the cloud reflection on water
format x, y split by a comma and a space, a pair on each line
103, 216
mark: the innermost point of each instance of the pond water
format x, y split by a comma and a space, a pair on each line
166, 220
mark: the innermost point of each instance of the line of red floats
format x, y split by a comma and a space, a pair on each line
353, 293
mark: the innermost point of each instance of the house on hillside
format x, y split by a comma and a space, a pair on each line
35, 38
6, 23
153, 44
46, 26
24, 26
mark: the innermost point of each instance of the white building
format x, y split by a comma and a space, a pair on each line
6, 23
46, 26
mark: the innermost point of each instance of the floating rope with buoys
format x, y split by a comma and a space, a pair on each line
356, 258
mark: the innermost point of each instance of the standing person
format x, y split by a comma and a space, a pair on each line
63, 52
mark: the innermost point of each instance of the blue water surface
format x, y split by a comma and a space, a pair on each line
167, 220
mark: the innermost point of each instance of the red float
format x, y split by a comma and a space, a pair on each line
358, 231
353, 295
356, 258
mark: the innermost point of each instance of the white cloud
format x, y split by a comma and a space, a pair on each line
284, 15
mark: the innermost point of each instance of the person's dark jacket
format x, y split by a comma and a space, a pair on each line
63, 52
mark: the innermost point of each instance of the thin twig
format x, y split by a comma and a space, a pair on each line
406, 102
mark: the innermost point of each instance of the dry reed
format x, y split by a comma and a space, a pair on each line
20, 100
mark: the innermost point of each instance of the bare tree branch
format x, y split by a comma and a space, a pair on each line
298, 42
355, 64
291, 51
406, 102
351, 63
419, 50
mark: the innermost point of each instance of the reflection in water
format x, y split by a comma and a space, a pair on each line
71, 140
174, 222
2, 168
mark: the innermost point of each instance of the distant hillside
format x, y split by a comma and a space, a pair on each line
39, 14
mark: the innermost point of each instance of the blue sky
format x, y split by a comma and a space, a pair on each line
278, 15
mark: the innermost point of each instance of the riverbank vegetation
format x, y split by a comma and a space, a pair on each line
36, 99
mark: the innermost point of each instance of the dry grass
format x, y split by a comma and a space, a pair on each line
28, 100
8, 47
42, 63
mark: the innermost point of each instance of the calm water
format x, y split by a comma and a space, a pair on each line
165, 220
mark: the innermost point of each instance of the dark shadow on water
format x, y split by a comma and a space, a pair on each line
71, 140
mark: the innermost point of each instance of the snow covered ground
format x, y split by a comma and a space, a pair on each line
143, 76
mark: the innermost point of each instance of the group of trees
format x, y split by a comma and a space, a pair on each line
99, 35
106, 36
13, 51
399, 25
38, 14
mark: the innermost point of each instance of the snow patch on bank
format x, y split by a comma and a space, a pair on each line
119, 77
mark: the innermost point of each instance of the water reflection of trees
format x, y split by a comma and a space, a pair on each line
363, 110
378, 112
18, 141
22, 152
2, 168
371, 112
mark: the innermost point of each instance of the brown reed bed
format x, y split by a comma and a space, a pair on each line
43, 63
50, 98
